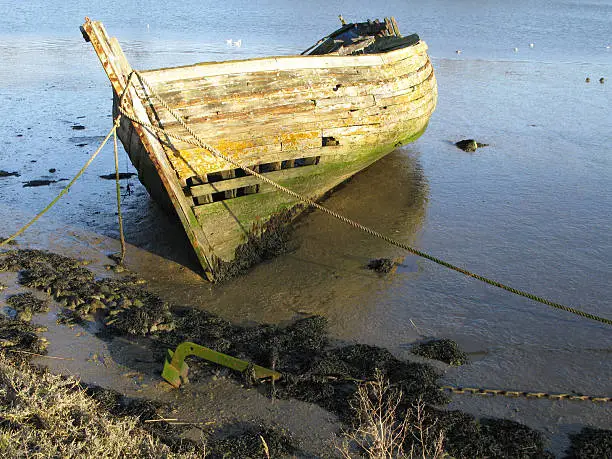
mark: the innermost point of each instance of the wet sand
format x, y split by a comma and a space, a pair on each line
126, 364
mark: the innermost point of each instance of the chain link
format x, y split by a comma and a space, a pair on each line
516, 394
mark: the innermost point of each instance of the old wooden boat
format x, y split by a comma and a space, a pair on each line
306, 121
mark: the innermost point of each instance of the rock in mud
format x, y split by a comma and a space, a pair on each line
444, 350
590, 443
469, 145
78, 127
381, 265
11, 242
41, 182
9, 174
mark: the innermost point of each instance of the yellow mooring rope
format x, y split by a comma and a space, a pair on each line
118, 189
67, 187
199, 142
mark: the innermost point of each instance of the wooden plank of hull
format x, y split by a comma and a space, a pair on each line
253, 133
306, 103
224, 88
282, 63
236, 216
262, 140
193, 106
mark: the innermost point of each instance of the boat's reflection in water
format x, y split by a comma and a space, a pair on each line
326, 273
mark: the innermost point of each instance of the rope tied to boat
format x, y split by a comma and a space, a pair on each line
199, 142
112, 132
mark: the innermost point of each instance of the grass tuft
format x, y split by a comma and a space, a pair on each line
45, 415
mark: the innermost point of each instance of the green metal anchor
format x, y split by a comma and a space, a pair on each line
175, 368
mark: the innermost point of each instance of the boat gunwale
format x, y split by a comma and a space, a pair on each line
274, 63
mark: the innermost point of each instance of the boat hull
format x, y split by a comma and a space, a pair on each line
306, 122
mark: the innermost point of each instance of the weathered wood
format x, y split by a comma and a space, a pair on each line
266, 84
208, 69
396, 30
350, 97
240, 182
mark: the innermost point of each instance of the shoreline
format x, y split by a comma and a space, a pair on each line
145, 365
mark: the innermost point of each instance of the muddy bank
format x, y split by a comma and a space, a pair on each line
315, 368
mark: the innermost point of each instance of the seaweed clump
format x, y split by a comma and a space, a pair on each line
444, 350
466, 437
26, 304
3, 239
17, 335
330, 380
313, 370
128, 308
264, 242
590, 443
381, 265
253, 442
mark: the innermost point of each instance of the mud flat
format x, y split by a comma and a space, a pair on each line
113, 332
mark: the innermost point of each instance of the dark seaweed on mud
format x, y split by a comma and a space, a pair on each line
264, 242
444, 350
590, 443
313, 369
17, 335
243, 439
127, 308
247, 443
381, 265
26, 302
120, 406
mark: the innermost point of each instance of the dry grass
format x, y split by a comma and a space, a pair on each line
382, 430
44, 415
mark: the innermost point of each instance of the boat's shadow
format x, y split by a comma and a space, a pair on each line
389, 196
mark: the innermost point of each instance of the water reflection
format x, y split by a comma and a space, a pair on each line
326, 274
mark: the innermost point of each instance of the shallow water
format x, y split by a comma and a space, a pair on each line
532, 210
